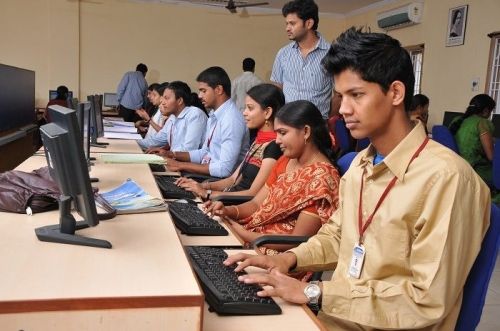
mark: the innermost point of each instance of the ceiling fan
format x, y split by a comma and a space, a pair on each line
232, 5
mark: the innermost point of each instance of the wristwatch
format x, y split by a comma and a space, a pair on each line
312, 292
209, 193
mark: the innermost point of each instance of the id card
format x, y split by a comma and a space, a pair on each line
357, 259
206, 159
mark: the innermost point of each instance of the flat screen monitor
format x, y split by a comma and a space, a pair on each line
96, 120
449, 116
17, 97
496, 123
53, 94
83, 115
110, 100
67, 165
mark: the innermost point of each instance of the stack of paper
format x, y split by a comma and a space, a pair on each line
131, 158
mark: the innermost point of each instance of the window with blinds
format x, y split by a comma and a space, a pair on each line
493, 77
417, 59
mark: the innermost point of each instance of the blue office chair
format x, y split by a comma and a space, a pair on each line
345, 161
476, 285
442, 135
343, 137
496, 166
362, 144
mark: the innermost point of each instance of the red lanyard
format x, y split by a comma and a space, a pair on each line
362, 228
211, 135
171, 133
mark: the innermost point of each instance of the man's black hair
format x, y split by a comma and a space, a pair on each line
142, 68
248, 64
376, 57
214, 76
304, 9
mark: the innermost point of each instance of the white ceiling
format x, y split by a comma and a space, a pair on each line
332, 7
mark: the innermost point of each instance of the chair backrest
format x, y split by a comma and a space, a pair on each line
496, 166
343, 137
345, 161
477, 282
362, 144
442, 135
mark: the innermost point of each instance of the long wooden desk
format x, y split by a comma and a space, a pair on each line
117, 146
143, 283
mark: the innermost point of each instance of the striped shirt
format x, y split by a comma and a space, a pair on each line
304, 78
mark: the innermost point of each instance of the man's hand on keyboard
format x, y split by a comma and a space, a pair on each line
281, 262
280, 285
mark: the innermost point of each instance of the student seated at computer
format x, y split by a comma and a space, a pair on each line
261, 104
61, 99
155, 121
150, 109
226, 135
474, 135
301, 192
419, 109
411, 217
185, 127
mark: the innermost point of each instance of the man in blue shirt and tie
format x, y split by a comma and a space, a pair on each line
226, 136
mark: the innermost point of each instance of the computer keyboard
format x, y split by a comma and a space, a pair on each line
192, 221
225, 294
157, 167
171, 191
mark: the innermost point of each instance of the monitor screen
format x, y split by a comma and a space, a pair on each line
449, 116
496, 123
53, 94
67, 165
17, 97
110, 100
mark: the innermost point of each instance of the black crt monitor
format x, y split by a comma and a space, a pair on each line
110, 100
496, 123
68, 167
17, 97
449, 116
96, 121
53, 94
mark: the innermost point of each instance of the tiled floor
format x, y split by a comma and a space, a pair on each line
490, 320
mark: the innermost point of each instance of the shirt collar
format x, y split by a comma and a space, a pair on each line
183, 112
399, 159
219, 112
321, 44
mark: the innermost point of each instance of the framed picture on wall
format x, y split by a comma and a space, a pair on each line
457, 21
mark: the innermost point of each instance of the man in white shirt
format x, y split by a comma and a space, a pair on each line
244, 82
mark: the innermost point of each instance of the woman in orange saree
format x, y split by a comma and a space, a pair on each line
301, 192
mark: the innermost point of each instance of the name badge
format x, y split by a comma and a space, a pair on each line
358, 257
206, 159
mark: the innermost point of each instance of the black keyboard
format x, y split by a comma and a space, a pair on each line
225, 294
171, 191
192, 221
157, 167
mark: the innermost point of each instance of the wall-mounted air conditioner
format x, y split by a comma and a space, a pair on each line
400, 17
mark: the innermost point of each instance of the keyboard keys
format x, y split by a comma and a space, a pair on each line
192, 221
171, 191
223, 292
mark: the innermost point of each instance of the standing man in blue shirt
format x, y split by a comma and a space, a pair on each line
297, 68
226, 135
131, 92
185, 127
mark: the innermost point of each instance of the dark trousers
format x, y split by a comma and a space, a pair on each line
128, 115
